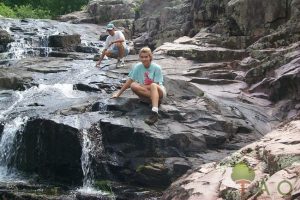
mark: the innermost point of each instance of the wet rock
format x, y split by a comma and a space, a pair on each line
103, 36
82, 196
178, 166
5, 38
86, 49
47, 69
1, 129
88, 88
153, 174
14, 79
64, 41
51, 150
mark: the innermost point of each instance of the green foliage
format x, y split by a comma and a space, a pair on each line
27, 11
104, 185
44, 8
6, 11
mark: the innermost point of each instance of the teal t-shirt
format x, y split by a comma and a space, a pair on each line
146, 76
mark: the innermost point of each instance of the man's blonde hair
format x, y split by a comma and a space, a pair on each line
146, 50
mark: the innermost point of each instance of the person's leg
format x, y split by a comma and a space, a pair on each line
141, 91
111, 54
151, 92
121, 50
156, 94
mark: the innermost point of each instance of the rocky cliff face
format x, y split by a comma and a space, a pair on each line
239, 23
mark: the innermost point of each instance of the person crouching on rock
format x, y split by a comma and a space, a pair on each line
146, 81
115, 45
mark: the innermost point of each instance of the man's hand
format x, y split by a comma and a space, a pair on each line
98, 63
115, 95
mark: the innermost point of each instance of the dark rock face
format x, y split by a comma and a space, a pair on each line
1, 129
64, 41
161, 21
14, 79
104, 11
51, 150
5, 39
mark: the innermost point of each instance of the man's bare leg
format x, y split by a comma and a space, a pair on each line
121, 50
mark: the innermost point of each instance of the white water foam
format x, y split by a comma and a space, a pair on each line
7, 148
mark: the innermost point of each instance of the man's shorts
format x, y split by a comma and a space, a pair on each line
115, 50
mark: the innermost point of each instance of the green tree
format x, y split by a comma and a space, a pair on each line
55, 7
6, 11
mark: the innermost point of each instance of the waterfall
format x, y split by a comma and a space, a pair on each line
22, 48
29, 41
7, 146
87, 147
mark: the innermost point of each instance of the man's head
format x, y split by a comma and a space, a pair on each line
110, 28
145, 56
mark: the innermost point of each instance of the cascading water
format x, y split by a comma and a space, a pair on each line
35, 42
7, 148
87, 147
88, 174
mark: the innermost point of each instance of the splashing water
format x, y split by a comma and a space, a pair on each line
7, 146
87, 147
88, 174
65, 89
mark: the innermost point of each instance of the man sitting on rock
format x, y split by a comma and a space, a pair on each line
146, 81
115, 45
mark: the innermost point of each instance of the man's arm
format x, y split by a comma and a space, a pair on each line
101, 58
124, 87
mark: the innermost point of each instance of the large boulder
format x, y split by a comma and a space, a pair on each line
163, 21
105, 11
77, 17
64, 41
5, 38
50, 149
14, 79
258, 17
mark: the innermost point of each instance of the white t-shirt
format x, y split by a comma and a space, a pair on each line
117, 36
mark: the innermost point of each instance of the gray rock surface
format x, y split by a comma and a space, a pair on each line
275, 158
